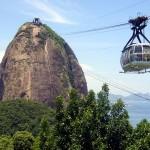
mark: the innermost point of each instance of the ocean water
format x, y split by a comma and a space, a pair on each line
138, 110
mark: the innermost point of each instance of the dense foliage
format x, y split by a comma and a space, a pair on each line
23, 140
19, 115
90, 123
6, 143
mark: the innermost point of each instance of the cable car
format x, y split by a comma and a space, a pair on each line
136, 56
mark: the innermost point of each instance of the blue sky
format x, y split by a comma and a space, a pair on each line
97, 52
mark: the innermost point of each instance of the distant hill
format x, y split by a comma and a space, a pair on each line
132, 97
114, 97
138, 108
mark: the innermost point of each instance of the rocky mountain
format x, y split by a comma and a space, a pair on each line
39, 65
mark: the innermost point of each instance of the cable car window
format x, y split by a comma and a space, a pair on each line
123, 58
148, 57
144, 57
131, 57
126, 57
138, 49
131, 51
139, 57
146, 49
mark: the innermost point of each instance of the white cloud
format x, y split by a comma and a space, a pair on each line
91, 82
46, 11
3, 47
1, 55
86, 67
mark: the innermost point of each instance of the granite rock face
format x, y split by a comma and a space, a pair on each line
39, 65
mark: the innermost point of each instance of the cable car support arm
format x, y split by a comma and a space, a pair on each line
138, 24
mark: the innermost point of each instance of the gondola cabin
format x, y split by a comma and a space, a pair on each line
136, 57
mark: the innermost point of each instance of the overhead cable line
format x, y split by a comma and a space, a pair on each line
114, 82
118, 87
98, 29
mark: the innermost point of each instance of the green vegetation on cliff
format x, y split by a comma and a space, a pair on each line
53, 35
18, 115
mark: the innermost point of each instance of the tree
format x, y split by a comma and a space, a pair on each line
74, 104
36, 144
6, 143
90, 100
74, 124
20, 115
141, 136
142, 130
83, 123
102, 113
103, 99
119, 128
88, 121
46, 137
61, 127
23, 140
